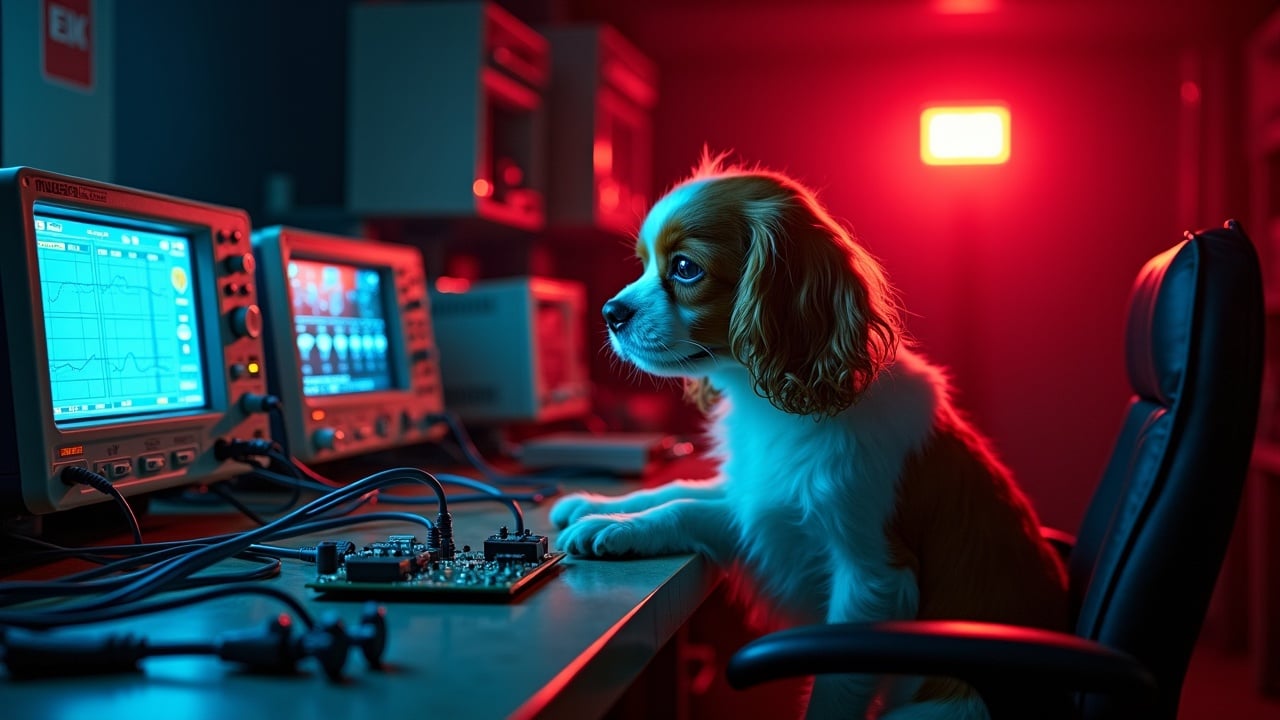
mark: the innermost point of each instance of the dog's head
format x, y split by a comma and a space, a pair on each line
745, 266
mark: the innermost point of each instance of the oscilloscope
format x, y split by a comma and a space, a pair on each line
513, 349
350, 346
134, 342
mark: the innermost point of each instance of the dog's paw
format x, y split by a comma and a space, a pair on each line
569, 508
603, 536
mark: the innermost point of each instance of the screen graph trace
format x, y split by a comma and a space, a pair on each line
341, 329
120, 319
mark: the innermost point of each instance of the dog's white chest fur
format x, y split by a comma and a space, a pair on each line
805, 492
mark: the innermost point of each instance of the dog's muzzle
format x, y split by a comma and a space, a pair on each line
617, 314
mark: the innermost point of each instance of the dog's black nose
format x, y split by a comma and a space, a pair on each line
617, 313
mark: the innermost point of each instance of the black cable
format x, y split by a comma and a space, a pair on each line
277, 454
295, 481
467, 445
27, 652
488, 493
76, 475
85, 582
210, 554
222, 492
277, 408
268, 557
270, 567
323, 524
170, 574
319, 483
53, 553
284, 553
172, 566
199, 497
108, 568
497, 495
303, 469
92, 582
37, 620
492, 474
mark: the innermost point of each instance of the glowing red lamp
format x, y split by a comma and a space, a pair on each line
965, 135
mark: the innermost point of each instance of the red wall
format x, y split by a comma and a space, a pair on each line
1016, 277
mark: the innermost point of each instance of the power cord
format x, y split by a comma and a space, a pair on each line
176, 572
226, 495
76, 475
98, 580
119, 588
273, 649
473, 455
117, 573
248, 451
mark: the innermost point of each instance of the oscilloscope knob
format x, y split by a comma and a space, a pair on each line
241, 263
327, 438
246, 321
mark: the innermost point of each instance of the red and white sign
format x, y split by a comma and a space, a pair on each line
66, 41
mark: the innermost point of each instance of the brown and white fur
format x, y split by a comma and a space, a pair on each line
849, 487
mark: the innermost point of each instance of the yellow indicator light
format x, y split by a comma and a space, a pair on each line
254, 368
976, 135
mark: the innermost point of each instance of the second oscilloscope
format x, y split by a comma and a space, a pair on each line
352, 353
133, 336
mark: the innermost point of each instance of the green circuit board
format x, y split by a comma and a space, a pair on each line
405, 569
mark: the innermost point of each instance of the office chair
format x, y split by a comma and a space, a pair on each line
1147, 555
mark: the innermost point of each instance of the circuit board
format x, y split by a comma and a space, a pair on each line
405, 569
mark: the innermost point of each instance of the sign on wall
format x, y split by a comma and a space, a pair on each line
66, 42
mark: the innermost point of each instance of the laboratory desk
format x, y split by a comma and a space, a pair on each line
569, 647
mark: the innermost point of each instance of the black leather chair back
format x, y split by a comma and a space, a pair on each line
1151, 544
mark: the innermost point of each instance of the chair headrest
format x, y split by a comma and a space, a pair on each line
1159, 326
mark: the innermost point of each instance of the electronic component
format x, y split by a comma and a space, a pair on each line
525, 547
349, 340
383, 568
134, 342
512, 349
329, 554
404, 567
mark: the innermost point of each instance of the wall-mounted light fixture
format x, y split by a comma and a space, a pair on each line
964, 7
964, 135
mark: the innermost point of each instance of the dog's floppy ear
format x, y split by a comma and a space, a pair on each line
814, 319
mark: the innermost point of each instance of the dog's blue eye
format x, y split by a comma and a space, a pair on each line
685, 270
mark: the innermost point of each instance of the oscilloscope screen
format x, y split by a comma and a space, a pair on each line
121, 317
340, 323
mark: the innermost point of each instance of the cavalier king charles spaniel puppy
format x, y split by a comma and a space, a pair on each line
850, 488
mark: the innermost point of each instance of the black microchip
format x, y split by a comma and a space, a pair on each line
519, 548
379, 568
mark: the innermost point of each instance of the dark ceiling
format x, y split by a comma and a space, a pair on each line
689, 28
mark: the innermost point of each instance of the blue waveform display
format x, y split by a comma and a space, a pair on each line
121, 318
